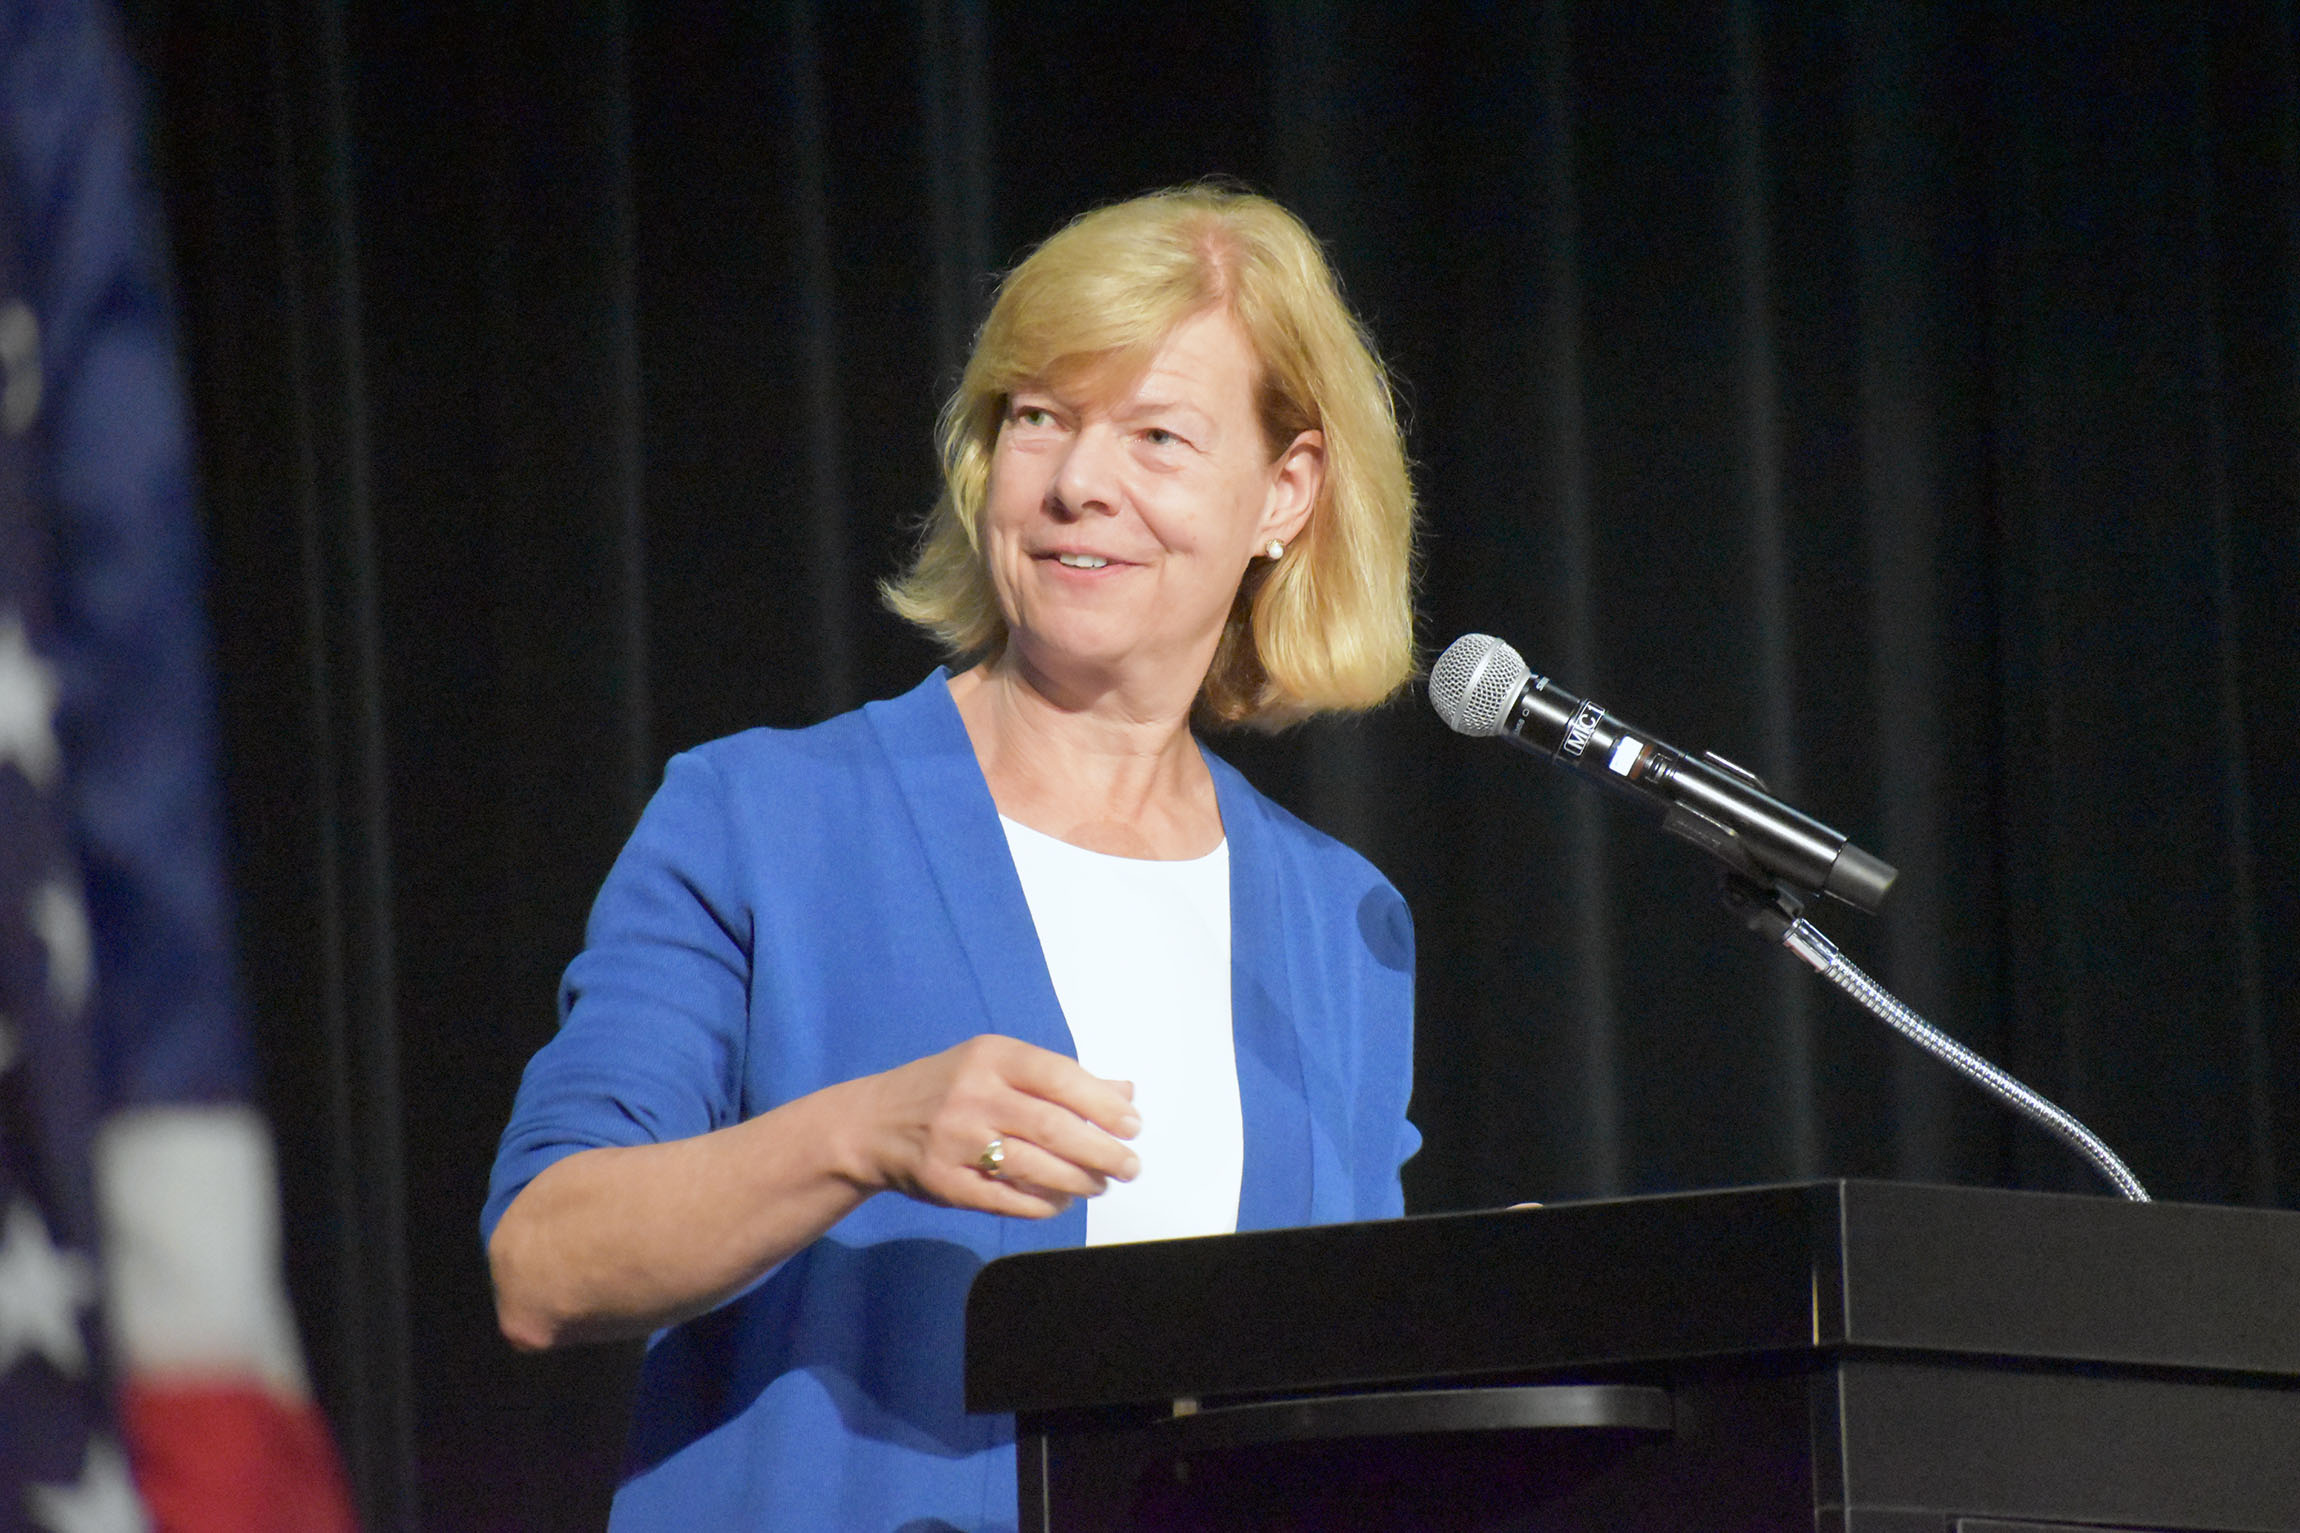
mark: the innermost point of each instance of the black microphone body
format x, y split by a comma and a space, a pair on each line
1706, 799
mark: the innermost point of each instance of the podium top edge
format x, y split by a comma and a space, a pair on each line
1781, 1269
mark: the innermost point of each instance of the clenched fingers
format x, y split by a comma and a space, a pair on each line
1057, 1125
1063, 1081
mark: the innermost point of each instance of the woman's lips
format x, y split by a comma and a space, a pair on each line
1080, 560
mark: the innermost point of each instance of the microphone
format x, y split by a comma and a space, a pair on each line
1480, 686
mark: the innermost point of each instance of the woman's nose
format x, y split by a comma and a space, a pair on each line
1087, 483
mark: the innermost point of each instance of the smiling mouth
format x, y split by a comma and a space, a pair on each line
1080, 561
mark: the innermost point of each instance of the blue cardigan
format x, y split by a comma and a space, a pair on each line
799, 908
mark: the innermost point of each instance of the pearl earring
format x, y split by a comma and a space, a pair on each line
1276, 550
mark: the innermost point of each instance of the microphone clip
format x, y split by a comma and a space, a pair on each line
1768, 909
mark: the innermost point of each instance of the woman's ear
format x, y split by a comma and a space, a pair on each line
1295, 480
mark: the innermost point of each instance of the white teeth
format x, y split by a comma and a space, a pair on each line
1081, 561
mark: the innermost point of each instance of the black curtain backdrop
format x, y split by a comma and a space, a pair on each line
1900, 400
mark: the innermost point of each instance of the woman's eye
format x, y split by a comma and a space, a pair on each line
1033, 416
1159, 436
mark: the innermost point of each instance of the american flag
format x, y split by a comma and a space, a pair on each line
149, 1374
61, 1464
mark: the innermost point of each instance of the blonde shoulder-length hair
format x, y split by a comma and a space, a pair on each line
1329, 627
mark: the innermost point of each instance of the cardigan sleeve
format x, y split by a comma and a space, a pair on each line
654, 1011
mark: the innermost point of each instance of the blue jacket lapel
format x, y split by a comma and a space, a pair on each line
1263, 1003
933, 762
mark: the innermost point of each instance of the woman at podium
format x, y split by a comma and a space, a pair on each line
1011, 960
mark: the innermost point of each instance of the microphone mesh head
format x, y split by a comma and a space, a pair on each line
1475, 681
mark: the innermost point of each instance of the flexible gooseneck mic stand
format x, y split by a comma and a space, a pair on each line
1775, 858
1777, 914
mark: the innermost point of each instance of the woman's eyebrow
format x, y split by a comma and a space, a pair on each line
1161, 404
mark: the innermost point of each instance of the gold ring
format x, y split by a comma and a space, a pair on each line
992, 1161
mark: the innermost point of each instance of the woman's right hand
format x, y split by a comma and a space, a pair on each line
1061, 1128
618, 1240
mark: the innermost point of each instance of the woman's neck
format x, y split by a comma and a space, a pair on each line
1100, 769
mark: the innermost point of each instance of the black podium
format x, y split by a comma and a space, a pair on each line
1861, 1356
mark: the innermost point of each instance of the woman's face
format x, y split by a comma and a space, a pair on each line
1119, 522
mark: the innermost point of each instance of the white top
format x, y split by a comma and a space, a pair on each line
1139, 952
